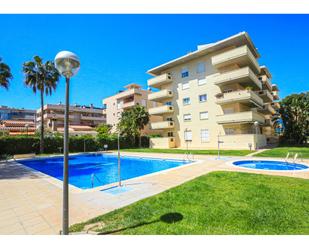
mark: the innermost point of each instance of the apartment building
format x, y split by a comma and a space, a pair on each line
17, 121
82, 119
126, 99
218, 93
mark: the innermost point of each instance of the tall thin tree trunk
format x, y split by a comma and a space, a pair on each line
42, 123
139, 140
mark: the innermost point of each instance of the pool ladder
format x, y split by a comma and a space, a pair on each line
93, 176
187, 157
294, 159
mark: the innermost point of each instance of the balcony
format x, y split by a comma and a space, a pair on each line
244, 76
54, 116
128, 104
160, 80
266, 81
266, 96
268, 122
162, 125
243, 96
161, 110
162, 142
275, 95
241, 56
129, 93
268, 109
276, 105
161, 95
60, 107
83, 117
240, 117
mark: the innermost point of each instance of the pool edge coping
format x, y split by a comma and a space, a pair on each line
59, 183
231, 163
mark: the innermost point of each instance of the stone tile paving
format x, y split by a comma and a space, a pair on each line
30, 203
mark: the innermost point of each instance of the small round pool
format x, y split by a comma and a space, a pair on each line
269, 165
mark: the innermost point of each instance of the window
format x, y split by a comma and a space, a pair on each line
229, 131
184, 72
119, 105
144, 102
187, 117
186, 101
188, 135
203, 98
203, 115
201, 67
168, 103
170, 134
185, 85
201, 81
169, 119
204, 135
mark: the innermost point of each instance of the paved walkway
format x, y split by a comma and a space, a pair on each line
30, 203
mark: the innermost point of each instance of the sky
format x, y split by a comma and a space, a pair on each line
116, 50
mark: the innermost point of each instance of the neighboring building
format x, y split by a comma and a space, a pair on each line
217, 93
17, 121
133, 95
82, 119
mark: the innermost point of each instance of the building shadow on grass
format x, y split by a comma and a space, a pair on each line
169, 218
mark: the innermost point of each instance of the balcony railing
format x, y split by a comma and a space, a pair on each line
266, 95
160, 95
240, 117
161, 110
160, 80
55, 116
268, 109
128, 93
239, 96
162, 125
241, 56
243, 76
83, 117
128, 104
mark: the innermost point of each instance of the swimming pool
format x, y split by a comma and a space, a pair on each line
269, 165
94, 170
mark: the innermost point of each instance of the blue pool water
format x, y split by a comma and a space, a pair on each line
104, 167
269, 165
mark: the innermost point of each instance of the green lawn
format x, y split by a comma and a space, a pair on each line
196, 152
217, 203
282, 152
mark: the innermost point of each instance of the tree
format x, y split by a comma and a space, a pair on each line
133, 121
41, 77
294, 113
5, 75
103, 130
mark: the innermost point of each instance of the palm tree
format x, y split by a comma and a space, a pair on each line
5, 74
42, 77
141, 118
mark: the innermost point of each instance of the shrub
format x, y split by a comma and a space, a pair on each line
54, 144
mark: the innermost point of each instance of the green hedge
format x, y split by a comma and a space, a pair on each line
31, 144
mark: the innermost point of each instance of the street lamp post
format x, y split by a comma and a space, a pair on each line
68, 65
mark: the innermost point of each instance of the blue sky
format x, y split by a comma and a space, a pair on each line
118, 49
